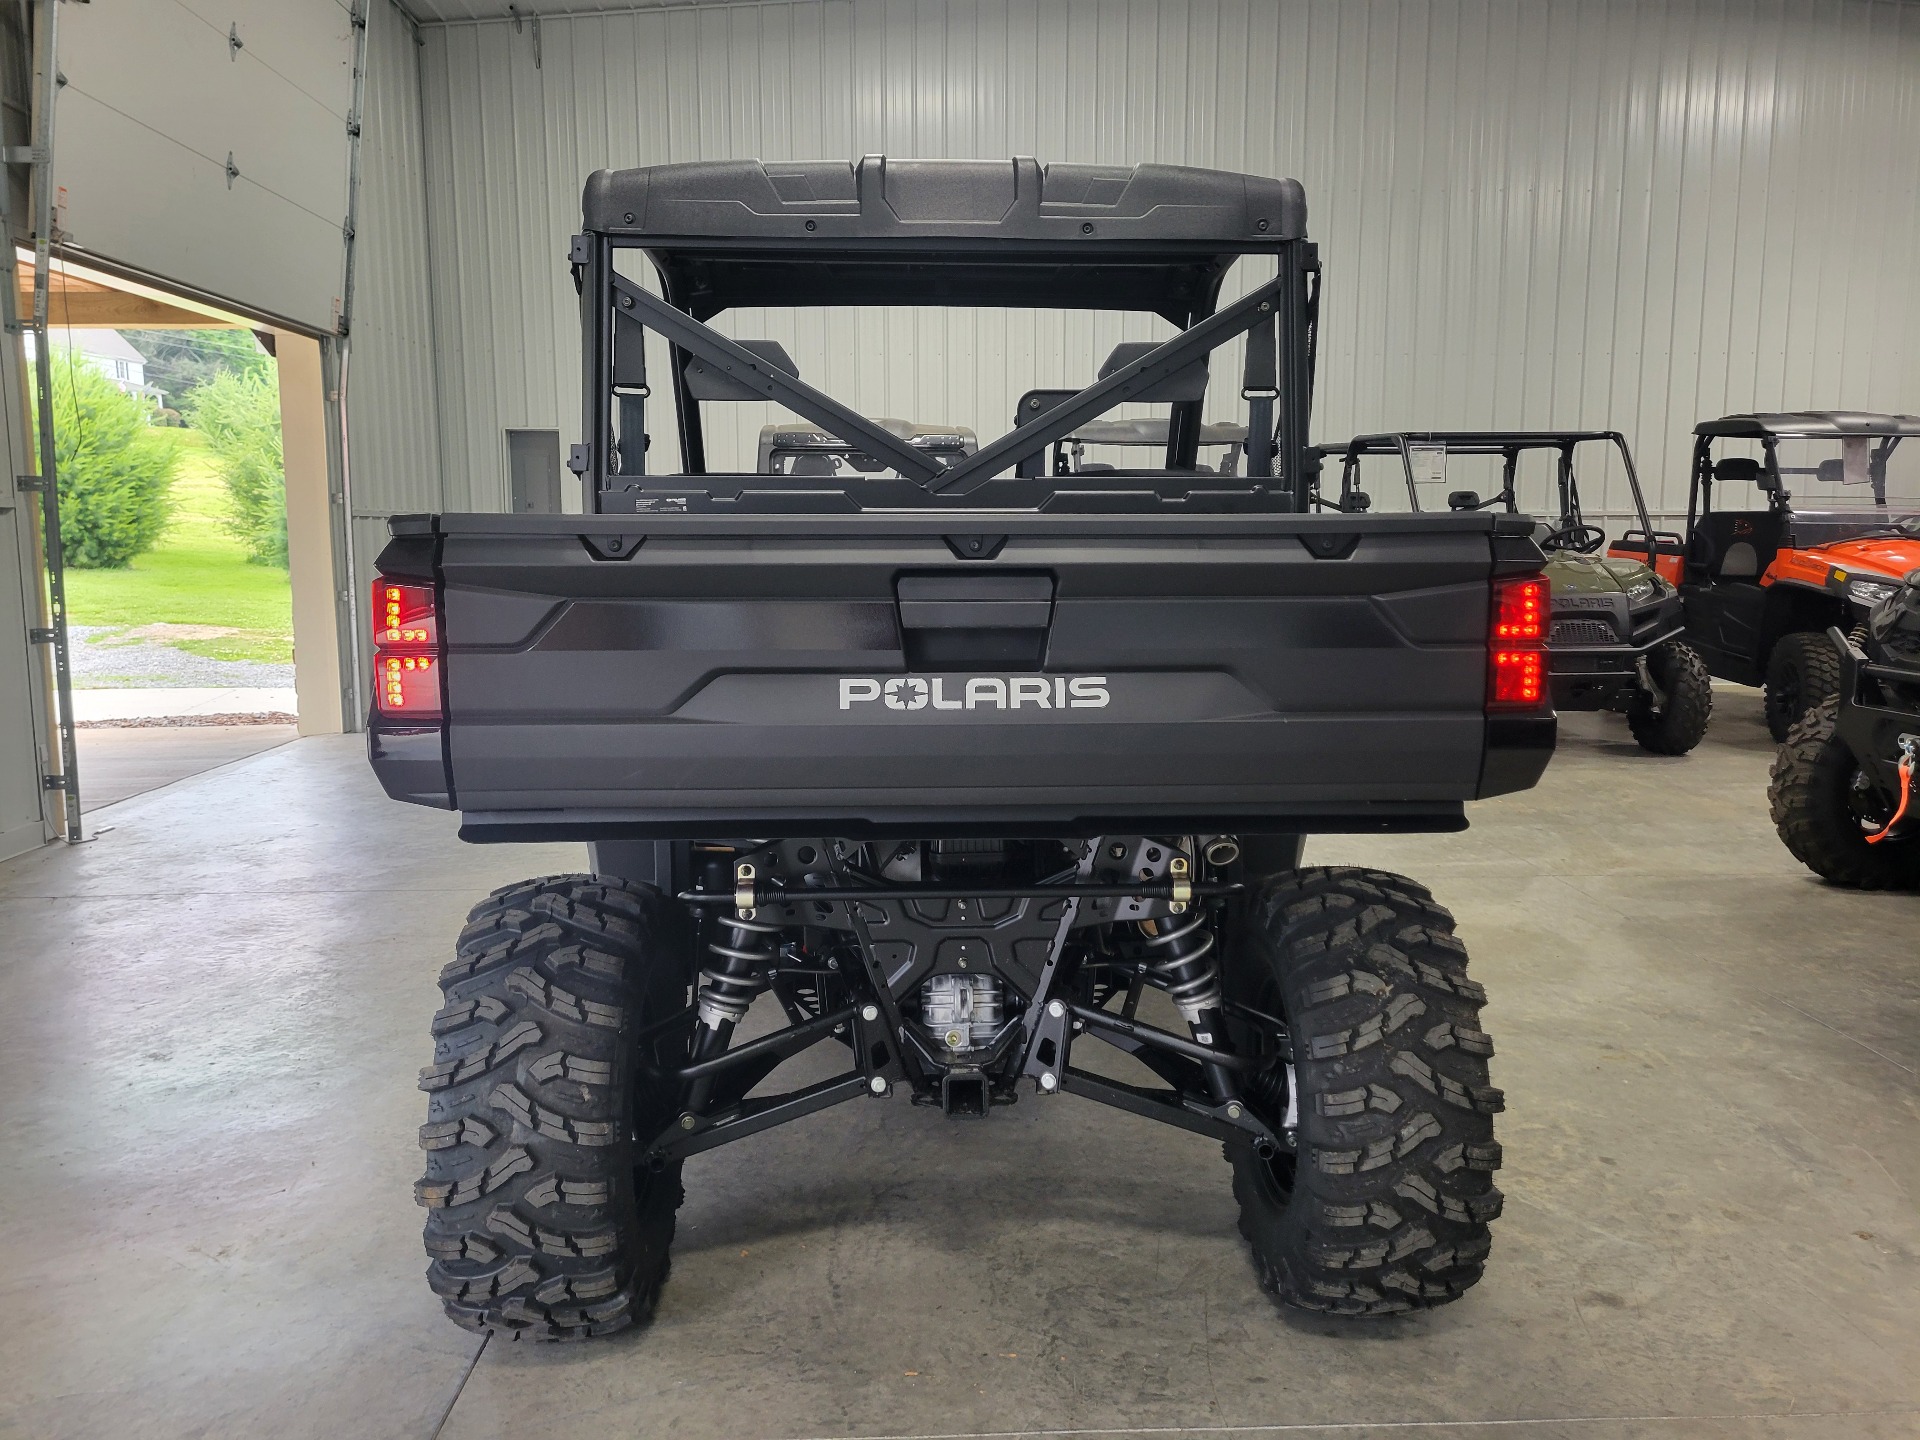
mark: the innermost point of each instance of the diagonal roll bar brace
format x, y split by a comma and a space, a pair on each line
1255, 307
783, 389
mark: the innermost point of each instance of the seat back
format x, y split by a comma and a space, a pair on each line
706, 381
1185, 384
1736, 544
1032, 406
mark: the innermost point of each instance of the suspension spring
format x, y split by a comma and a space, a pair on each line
738, 974
1183, 963
1858, 639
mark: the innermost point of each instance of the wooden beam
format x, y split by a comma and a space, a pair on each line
95, 307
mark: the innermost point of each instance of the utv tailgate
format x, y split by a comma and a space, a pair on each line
685, 676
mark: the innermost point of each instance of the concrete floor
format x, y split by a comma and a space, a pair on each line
119, 762
211, 1019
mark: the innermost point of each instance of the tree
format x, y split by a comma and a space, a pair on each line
179, 361
239, 413
115, 469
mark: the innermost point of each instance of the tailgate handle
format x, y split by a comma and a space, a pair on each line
975, 602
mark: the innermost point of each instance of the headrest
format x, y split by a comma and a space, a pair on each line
1738, 467
705, 381
1187, 383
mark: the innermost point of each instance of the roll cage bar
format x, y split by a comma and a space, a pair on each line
1158, 239
1508, 444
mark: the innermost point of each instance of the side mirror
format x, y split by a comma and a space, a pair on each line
1358, 502
1463, 500
1832, 472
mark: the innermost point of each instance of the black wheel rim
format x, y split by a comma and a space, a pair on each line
1869, 811
1787, 693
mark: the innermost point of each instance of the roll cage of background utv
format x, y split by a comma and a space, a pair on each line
1509, 445
1762, 585
1616, 623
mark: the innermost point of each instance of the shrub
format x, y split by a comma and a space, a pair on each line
115, 469
239, 413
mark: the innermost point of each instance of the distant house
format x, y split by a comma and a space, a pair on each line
108, 349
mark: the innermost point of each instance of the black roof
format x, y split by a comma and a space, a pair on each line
955, 232
1810, 423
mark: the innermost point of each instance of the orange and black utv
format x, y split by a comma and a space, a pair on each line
1812, 531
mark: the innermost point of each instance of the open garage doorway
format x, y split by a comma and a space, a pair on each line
185, 437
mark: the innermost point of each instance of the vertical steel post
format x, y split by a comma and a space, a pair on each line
67, 782
592, 261
1298, 261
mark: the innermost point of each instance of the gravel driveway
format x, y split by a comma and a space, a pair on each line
101, 662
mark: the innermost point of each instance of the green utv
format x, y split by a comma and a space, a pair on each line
1615, 635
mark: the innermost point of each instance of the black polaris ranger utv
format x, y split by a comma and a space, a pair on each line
949, 762
1617, 630
1844, 780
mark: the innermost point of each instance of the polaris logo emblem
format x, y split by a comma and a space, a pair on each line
979, 692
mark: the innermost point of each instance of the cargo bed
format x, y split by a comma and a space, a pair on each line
682, 676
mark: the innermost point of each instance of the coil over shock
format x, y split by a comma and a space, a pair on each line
729, 985
727, 988
1182, 947
1182, 960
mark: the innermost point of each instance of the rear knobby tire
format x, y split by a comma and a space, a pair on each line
1682, 724
1812, 794
540, 1220
1387, 1204
1803, 670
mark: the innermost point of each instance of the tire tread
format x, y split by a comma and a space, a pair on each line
1393, 1192
539, 1222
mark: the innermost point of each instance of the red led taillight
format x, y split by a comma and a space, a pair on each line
406, 659
1519, 610
1516, 648
1519, 677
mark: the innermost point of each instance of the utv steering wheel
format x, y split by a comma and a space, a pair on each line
1585, 539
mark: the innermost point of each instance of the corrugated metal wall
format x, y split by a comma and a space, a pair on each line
393, 404
1532, 212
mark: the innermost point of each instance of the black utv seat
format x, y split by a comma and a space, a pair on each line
1736, 544
1188, 385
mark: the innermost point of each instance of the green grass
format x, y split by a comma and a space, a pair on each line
197, 574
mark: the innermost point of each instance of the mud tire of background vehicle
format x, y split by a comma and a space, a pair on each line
1803, 670
1392, 1193
541, 1222
1678, 669
1812, 774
